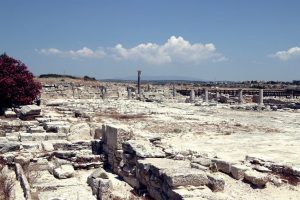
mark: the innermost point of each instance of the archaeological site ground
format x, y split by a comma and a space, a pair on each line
116, 141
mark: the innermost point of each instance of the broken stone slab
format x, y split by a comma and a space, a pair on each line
183, 177
142, 149
30, 146
238, 171
202, 161
64, 154
223, 165
256, 178
10, 114
262, 169
267, 163
198, 166
98, 173
215, 183
61, 145
30, 110
94, 181
57, 126
64, 171
37, 129
258, 159
174, 172
88, 165
9, 147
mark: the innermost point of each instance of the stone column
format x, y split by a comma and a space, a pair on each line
217, 95
261, 97
129, 93
292, 94
240, 93
139, 82
174, 90
206, 95
103, 92
192, 96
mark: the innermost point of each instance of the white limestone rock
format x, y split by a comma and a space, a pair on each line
30, 110
80, 131
256, 178
64, 171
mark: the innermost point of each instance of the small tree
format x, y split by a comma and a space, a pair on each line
17, 84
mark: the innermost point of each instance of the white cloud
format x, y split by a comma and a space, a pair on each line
83, 53
175, 50
50, 51
286, 55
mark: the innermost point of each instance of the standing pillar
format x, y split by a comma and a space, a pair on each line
241, 99
174, 90
292, 94
261, 97
129, 93
206, 95
217, 94
103, 92
192, 96
139, 82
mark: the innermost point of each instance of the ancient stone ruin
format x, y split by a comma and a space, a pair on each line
95, 140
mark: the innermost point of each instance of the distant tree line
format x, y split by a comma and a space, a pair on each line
57, 76
86, 78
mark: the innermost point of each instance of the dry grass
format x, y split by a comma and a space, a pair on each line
31, 172
6, 185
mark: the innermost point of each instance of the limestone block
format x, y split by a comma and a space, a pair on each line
10, 114
64, 171
47, 146
256, 178
56, 126
238, 171
80, 131
202, 161
222, 165
143, 149
215, 183
198, 166
64, 154
30, 110
8, 147
183, 177
115, 135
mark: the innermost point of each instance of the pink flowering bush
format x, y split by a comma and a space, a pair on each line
17, 84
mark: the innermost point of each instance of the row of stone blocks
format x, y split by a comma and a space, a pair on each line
145, 168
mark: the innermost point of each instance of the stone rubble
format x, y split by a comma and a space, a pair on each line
77, 145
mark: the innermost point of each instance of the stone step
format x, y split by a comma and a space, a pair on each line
41, 136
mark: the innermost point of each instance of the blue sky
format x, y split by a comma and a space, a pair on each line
209, 40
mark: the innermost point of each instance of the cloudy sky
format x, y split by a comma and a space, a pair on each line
195, 39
